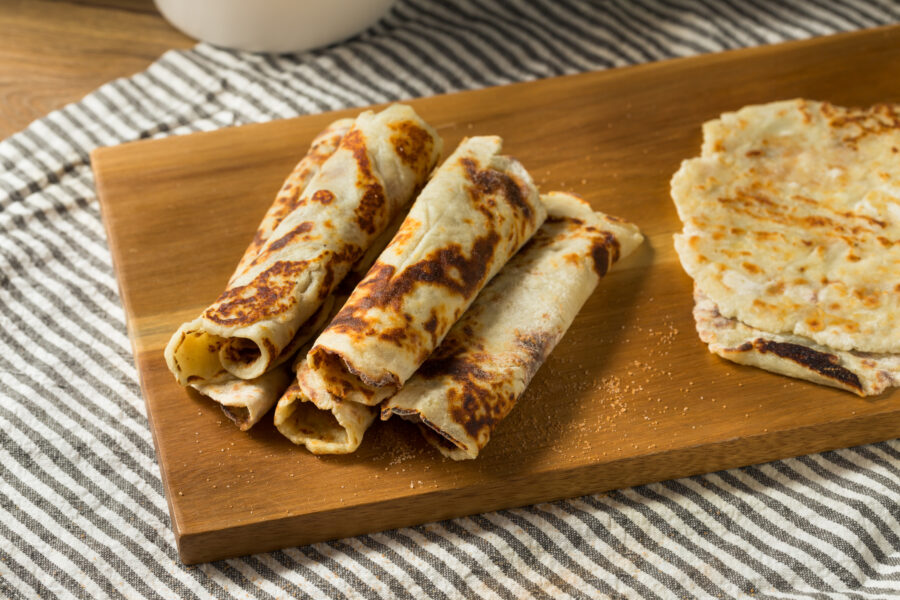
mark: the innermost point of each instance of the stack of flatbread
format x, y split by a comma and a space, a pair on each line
791, 227
468, 292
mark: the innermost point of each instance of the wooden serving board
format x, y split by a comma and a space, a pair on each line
629, 396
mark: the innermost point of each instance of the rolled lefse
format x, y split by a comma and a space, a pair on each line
261, 319
477, 210
245, 401
308, 415
476, 376
327, 424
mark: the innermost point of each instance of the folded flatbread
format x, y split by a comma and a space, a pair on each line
791, 225
476, 376
313, 240
863, 373
478, 209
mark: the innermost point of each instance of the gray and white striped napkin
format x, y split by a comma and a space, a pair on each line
82, 511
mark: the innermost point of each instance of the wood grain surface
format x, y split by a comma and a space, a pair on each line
55, 52
629, 396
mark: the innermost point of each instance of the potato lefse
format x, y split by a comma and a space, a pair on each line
791, 221
305, 246
478, 209
479, 372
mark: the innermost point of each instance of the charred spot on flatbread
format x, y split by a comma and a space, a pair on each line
413, 145
447, 267
269, 294
296, 234
472, 395
368, 212
489, 182
604, 251
323, 196
537, 346
825, 364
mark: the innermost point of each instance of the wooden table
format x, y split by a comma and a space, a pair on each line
55, 52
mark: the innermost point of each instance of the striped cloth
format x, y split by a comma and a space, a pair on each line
82, 511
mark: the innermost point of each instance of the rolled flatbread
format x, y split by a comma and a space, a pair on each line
317, 419
245, 401
478, 209
325, 424
378, 167
476, 376
308, 415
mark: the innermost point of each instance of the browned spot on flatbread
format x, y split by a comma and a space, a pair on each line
538, 346
604, 251
473, 401
756, 205
270, 347
825, 364
414, 146
371, 206
431, 325
860, 123
327, 282
323, 197
408, 228
258, 240
750, 267
293, 234
487, 182
560, 219
446, 267
349, 254
775, 289
269, 294
394, 335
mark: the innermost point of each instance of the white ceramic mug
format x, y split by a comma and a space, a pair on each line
272, 25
